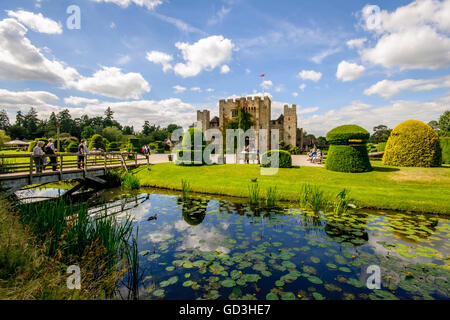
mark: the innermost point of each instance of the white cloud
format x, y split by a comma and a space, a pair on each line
310, 75
196, 89
14, 101
278, 88
205, 54
124, 59
209, 90
149, 4
179, 89
21, 60
347, 71
388, 88
267, 84
369, 116
162, 112
111, 82
247, 71
79, 101
219, 16
179, 24
307, 110
356, 43
224, 69
160, 58
318, 58
414, 36
36, 21
302, 87
295, 94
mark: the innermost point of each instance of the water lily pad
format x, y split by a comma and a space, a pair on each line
288, 264
279, 283
187, 283
228, 283
287, 296
315, 280
315, 259
158, 293
272, 296
318, 296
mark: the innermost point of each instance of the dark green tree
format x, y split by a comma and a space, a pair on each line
381, 133
4, 120
444, 124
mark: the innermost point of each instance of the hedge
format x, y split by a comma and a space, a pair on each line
284, 158
445, 147
134, 145
341, 134
348, 150
113, 146
348, 159
413, 144
381, 146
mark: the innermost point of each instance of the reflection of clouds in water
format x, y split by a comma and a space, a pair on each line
166, 232
202, 238
45, 193
139, 213
224, 225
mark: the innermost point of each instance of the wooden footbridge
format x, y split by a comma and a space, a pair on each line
19, 170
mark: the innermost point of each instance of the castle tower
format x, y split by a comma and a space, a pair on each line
204, 118
290, 125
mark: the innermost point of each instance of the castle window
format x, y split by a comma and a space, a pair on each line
234, 113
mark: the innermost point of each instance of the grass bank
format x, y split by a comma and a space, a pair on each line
406, 189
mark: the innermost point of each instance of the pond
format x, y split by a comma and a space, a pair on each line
212, 248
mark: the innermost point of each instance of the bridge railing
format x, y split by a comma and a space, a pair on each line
27, 163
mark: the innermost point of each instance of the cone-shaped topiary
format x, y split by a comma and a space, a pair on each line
413, 143
348, 151
193, 146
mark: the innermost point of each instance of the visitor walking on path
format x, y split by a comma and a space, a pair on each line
50, 150
38, 155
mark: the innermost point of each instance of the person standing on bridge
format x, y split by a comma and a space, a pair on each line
82, 153
37, 155
50, 150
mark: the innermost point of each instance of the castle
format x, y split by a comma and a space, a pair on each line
260, 110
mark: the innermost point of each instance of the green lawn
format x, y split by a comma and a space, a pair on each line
410, 189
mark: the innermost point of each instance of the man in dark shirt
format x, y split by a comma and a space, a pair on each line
81, 154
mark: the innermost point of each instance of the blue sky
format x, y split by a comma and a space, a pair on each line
341, 62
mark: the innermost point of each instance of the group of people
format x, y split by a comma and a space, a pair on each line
315, 155
40, 155
146, 150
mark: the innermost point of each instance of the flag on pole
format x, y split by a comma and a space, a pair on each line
262, 75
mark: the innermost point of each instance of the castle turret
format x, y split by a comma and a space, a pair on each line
290, 125
204, 118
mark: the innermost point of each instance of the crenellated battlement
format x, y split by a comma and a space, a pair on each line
249, 100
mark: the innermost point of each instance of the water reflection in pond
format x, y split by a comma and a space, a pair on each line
219, 249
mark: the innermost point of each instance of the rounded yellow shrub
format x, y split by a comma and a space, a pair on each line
413, 144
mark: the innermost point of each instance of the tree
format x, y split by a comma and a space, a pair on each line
381, 133
127, 130
19, 118
17, 132
4, 120
87, 132
67, 123
172, 127
109, 116
3, 137
444, 124
112, 134
146, 129
30, 123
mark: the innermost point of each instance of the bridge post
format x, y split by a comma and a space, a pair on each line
60, 167
31, 169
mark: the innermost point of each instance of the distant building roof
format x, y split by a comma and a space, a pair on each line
17, 143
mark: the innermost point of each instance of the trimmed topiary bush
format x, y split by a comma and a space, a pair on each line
98, 142
413, 144
34, 143
348, 151
188, 145
284, 158
445, 147
113, 146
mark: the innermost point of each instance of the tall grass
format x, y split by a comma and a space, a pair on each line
185, 189
69, 230
254, 194
133, 274
272, 197
341, 202
131, 181
312, 197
